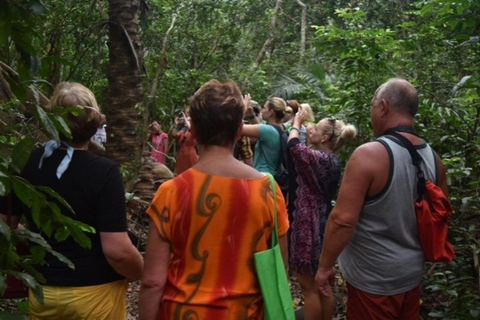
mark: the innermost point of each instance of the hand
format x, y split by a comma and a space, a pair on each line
178, 118
300, 117
324, 280
246, 103
246, 100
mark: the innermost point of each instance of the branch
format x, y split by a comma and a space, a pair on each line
266, 45
161, 66
214, 48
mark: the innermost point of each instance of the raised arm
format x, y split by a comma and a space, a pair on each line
251, 130
297, 123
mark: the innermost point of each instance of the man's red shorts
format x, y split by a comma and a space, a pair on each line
366, 306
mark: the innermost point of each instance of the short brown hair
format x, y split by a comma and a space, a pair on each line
217, 110
72, 94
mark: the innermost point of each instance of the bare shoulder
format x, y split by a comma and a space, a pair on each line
369, 154
368, 167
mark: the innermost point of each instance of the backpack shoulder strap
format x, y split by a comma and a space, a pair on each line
410, 147
283, 145
416, 160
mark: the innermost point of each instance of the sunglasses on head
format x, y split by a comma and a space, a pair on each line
332, 119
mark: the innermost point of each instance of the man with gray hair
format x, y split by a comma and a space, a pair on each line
372, 229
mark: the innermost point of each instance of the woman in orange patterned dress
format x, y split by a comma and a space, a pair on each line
207, 223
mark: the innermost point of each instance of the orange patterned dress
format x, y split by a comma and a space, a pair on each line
214, 225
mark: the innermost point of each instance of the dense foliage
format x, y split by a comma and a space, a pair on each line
351, 48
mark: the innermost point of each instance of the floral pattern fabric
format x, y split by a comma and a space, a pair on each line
318, 180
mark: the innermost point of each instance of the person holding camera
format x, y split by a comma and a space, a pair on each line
187, 153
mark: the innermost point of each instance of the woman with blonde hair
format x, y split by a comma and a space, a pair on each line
318, 180
92, 185
308, 109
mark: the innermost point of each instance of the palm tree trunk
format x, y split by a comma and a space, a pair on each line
126, 137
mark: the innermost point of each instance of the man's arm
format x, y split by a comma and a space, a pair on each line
121, 254
154, 277
341, 223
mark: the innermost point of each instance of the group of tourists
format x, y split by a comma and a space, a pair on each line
208, 221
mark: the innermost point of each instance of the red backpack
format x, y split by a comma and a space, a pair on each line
433, 210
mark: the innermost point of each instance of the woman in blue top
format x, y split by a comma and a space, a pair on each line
267, 147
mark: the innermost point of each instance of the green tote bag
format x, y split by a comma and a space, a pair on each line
272, 277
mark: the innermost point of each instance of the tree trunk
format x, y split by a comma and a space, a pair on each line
302, 30
266, 44
126, 135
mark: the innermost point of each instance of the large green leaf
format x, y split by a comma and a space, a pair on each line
39, 240
56, 196
27, 193
47, 122
60, 124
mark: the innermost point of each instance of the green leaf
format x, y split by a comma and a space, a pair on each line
61, 125
5, 230
64, 110
21, 153
75, 228
63, 259
47, 123
38, 254
22, 306
29, 196
61, 234
39, 240
56, 196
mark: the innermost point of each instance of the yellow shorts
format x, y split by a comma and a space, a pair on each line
105, 301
